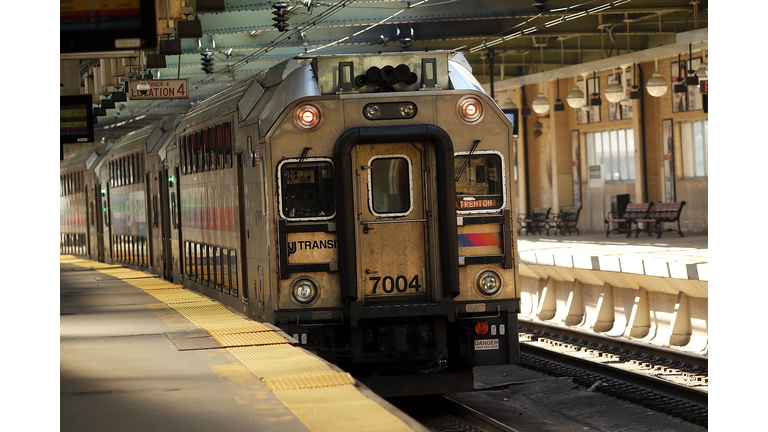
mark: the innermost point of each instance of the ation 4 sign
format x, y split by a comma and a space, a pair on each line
160, 89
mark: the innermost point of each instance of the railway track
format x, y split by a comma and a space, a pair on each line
663, 380
445, 414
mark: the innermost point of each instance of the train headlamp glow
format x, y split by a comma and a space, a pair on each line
304, 291
489, 283
470, 110
307, 117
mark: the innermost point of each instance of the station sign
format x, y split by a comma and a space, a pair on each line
160, 89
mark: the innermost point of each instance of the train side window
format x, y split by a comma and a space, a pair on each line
219, 131
210, 267
140, 159
306, 189
118, 172
183, 154
205, 149
201, 159
213, 157
225, 269
192, 153
155, 221
217, 267
173, 210
204, 264
389, 181
227, 145
480, 181
233, 272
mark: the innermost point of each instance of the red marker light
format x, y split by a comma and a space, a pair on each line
470, 110
307, 117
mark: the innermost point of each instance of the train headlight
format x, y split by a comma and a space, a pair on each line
308, 117
470, 110
407, 110
489, 283
304, 291
372, 111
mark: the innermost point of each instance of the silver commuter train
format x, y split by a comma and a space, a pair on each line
361, 203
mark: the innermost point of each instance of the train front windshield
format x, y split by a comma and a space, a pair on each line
307, 189
479, 181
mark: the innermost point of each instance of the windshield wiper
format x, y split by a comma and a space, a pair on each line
298, 166
466, 162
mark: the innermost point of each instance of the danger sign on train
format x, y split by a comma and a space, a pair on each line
160, 89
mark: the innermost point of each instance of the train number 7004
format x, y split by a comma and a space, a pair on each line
391, 284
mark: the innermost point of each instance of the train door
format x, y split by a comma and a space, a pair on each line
393, 221
88, 222
165, 226
98, 213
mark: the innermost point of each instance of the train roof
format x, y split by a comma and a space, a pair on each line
88, 158
155, 137
265, 95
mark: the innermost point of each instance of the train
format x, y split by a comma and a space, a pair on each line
360, 203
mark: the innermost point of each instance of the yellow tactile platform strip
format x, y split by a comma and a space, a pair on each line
322, 398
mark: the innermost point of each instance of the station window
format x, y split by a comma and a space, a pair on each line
306, 189
480, 182
389, 180
615, 150
695, 148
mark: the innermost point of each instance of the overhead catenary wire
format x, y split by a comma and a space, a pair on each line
565, 17
278, 41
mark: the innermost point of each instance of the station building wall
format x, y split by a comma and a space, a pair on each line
546, 140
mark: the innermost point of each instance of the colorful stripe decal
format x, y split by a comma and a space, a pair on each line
479, 239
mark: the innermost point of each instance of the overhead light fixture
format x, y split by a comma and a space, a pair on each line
657, 85
575, 98
508, 104
541, 104
701, 72
614, 92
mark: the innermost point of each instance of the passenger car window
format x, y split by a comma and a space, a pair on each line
390, 185
306, 189
479, 181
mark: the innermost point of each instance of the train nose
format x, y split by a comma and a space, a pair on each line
403, 339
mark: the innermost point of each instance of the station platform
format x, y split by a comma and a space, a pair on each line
648, 290
140, 353
669, 256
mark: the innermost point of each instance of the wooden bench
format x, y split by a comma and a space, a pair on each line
534, 222
664, 213
631, 213
564, 221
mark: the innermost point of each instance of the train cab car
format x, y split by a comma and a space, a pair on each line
80, 204
362, 204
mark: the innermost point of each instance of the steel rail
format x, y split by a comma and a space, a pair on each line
476, 418
645, 349
664, 387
